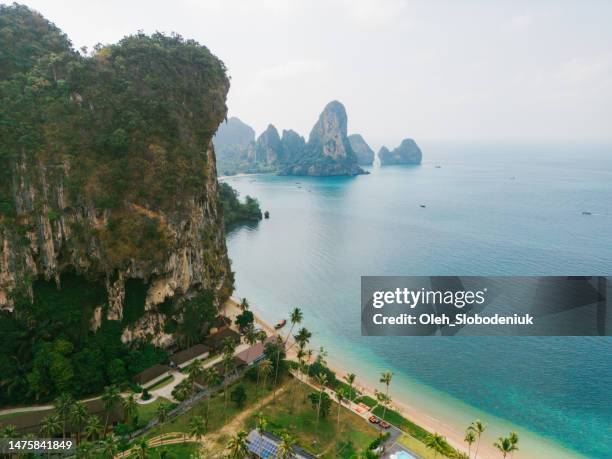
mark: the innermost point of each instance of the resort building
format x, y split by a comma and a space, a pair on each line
215, 342
265, 446
152, 375
182, 359
254, 353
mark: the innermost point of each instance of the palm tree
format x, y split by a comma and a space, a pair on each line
141, 449
280, 345
63, 405
194, 371
478, 427
505, 446
228, 363
84, 450
237, 446
244, 305
303, 337
470, 437
385, 400
308, 353
93, 427
295, 317
197, 427
162, 415
339, 398
262, 423
78, 416
350, 380
9, 431
286, 447
250, 336
436, 442
321, 380
514, 438
264, 369
212, 379
110, 397
110, 446
130, 407
386, 378
300, 356
51, 425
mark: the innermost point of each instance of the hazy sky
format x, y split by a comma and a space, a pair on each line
507, 70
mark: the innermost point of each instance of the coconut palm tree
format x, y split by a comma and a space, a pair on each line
78, 417
385, 400
286, 447
244, 305
321, 380
9, 431
250, 337
63, 405
505, 446
514, 438
350, 380
280, 345
93, 427
110, 446
301, 354
141, 449
194, 370
130, 407
264, 369
262, 423
84, 450
339, 398
51, 425
478, 427
228, 363
321, 356
110, 398
308, 356
470, 437
162, 415
238, 446
386, 378
436, 442
295, 317
197, 427
212, 380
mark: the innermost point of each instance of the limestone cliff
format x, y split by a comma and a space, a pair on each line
268, 148
408, 152
365, 155
109, 172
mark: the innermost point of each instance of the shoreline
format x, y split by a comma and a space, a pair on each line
416, 414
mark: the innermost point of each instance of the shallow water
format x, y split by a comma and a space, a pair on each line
491, 210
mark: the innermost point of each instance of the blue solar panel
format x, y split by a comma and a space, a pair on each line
262, 446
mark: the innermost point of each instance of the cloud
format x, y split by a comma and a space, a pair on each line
374, 13
522, 21
288, 70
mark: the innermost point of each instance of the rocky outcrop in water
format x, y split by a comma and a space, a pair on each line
365, 155
408, 152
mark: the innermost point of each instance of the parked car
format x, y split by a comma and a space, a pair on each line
374, 420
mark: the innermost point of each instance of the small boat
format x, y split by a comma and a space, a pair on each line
281, 324
266, 214
422, 206
586, 213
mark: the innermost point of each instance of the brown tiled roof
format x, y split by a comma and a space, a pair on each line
253, 353
150, 374
216, 341
189, 353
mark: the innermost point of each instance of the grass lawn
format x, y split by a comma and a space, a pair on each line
368, 401
148, 411
294, 413
419, 448
164, 382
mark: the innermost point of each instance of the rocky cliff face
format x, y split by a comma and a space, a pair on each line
365, 155
268, 148
328, 151
112, 175
408, 152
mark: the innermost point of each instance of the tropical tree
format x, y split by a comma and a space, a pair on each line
212, 379
250, 336
78, 417
436, 442
244, 305
321, 380
385, 400
142, 448
110, 446
63, 406
470, 437
514, 438
286, 447
280, 346
110, 398
505, 446
478, 427
9, 431
386, 378
84, 450
263, 369
238, 446
350, 380
340, 397
228, 363
295, 317
194, 370
262, 423
162, 416
51, 426
197, 427
302, 338
308, 356
93, 427
130, 407
301, 354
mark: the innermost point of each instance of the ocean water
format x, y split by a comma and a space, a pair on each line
491, 210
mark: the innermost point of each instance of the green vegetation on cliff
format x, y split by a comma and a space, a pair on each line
234, 211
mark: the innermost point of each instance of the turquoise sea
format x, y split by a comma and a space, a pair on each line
491, 210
